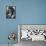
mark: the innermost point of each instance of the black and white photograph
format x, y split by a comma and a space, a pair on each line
11, 12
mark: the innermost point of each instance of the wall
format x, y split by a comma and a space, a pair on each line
27, 12
31, 11
6, 25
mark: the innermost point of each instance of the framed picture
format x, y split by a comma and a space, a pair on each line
32, 32
10, 12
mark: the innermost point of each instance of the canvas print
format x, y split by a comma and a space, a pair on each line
10, 12
31, 33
